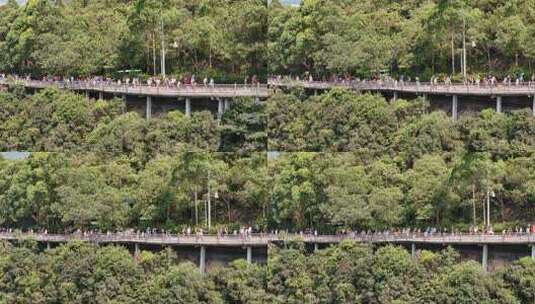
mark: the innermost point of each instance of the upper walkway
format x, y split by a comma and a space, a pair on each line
262, 240
188, 91
420, 88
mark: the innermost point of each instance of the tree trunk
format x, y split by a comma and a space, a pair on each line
484, 214
452, 55
168, 211
502, 211
474, 203
488, 58
153, 54
228, 211
210, 55
433, 62
196, 208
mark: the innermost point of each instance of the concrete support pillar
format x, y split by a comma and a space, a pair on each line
395, 97
136, 250
227, 104
316, 247
202, 260
101, 95
220, 108
249, 255
149, 107
124, 97
315, 92
485, 257
533, 252
424, 96
257, 99
413, 250
87, 94
498, 104
454, 106
47, 245
188, 107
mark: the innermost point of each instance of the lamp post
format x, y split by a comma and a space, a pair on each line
164, 52
163, 47
490, 194
209, 215
464, 48
209, 201
209, 207
464, 56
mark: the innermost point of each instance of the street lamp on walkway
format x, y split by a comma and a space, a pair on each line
209, 202
490, 194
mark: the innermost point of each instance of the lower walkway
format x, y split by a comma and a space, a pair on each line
262, 241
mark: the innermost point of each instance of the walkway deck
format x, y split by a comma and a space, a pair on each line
198, 91
525, 89
262, 240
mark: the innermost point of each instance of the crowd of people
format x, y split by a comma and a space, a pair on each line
246, 232
401, 80
198, 232
191, 81
188, 80
434, 231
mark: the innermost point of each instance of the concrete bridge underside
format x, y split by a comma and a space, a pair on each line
150, 101
456, 99
456, 106
493, 251
153, 106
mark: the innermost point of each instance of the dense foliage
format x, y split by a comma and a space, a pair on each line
401, 165
340, 160
346, 273
404, 164
81, 273
419, 38
63, 193
221, 39
55, 121
341, 120
324, 191
229, 40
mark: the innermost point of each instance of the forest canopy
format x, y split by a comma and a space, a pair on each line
412, 37
294, 191
215, 38
59, 121
345, 273
332, 163
343, 160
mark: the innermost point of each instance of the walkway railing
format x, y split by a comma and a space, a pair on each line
218, 90
525, 88
263, 239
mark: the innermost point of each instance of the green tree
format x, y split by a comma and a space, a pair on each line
518, 278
